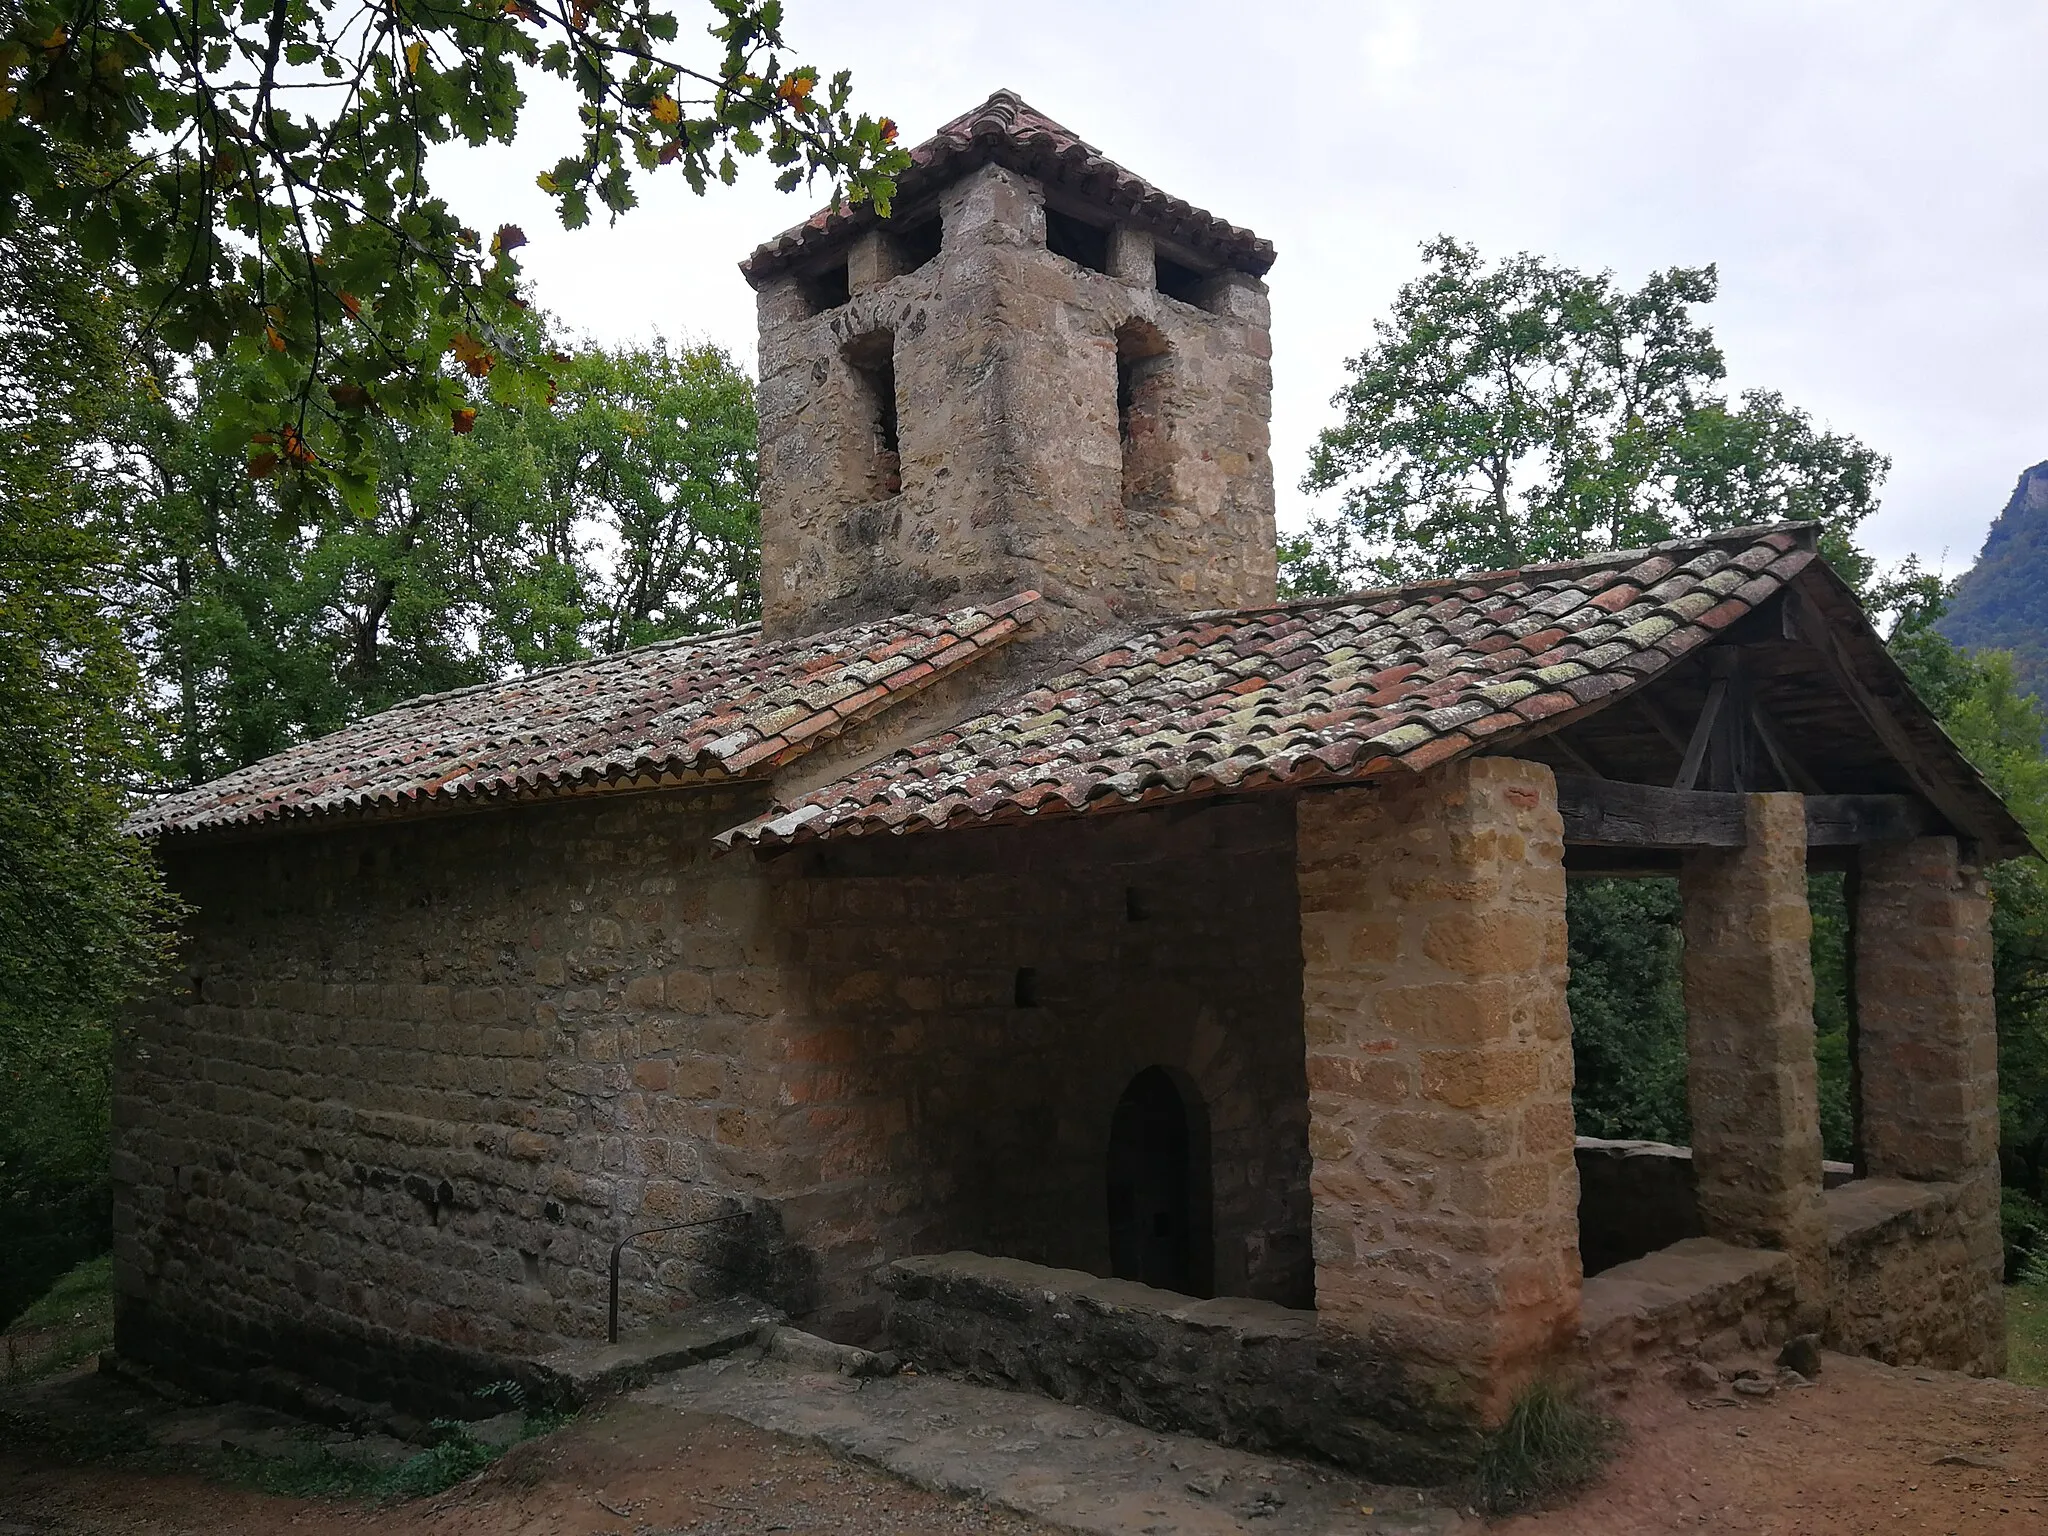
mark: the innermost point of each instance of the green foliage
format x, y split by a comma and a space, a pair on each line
1552, 1443
1827, 900
83, 919
264, 168
621, 511
2026, 1334
1523, 411
1628, 1009
70, 1322
2022, 1230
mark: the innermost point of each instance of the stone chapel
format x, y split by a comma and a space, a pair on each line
1035, 945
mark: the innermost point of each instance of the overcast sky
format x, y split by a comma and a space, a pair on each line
1871, 179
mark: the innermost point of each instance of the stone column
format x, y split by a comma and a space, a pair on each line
1440, 1075
1927, 1047
1749, 1041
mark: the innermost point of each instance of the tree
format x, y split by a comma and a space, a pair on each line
1524, 411
267, 612
262, 168
83, 918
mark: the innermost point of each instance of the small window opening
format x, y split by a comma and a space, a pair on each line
1027, 986
1142, 361
1177, 281
1079, 241
918, 243
828, 289
1137, 904
529, 1261
873, 359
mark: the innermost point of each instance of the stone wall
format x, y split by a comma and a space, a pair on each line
1150, 940
419, 1076
1634, 1198
1440, 1072
1245, 1373
1009, 472
1909, 1286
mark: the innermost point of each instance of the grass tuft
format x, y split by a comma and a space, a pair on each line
1552, 1443
70, 1322
2026, 1324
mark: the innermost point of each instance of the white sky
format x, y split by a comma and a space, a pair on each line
1870, 179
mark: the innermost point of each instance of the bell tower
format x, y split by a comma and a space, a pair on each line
1041, 371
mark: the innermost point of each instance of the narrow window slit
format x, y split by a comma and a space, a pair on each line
873, 360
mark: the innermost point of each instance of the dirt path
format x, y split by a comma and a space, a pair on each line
1864, 1449
636, 1470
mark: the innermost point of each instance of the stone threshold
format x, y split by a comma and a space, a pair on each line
1073, 1468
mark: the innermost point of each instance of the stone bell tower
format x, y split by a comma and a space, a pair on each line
1041, 372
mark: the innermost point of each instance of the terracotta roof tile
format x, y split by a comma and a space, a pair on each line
1353, 687
682, 711
1006, 130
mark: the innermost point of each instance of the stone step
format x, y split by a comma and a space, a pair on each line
583, 1373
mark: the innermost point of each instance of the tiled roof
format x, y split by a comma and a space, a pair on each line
1008, 131
1345, 688
682, 711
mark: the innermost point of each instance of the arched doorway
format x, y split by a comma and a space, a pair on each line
1158, 1186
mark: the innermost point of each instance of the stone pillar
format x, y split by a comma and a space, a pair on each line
1927, 1049
1131, 257
871, 261
1440, 1075
1749, 1041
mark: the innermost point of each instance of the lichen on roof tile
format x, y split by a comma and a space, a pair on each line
1352, 686
680, 711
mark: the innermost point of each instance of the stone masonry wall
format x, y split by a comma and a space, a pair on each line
419, 1076
1440, 1072
1010, 462
1151, 940
1909, 1278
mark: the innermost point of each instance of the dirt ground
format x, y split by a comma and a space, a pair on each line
637, 1469
1863, 1449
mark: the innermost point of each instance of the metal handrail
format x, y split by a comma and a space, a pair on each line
612, 1327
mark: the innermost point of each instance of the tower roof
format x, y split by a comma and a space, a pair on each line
1006, 130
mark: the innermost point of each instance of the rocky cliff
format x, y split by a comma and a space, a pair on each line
2002, 604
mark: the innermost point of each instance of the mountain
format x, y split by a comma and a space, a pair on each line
2002, 604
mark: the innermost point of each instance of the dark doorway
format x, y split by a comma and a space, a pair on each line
1153, 1185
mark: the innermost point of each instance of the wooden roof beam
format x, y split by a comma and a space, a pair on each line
1604, 813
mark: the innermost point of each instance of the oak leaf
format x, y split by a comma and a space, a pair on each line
664, 109
262, 466
462, 419
796, 90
